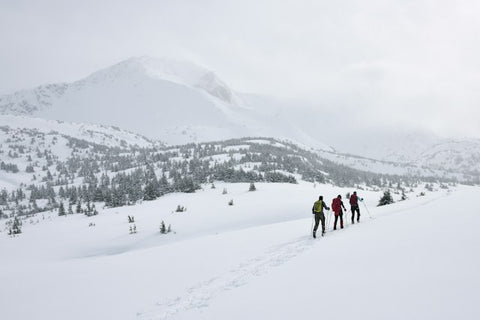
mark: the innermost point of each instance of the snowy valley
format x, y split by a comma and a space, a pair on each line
152, 190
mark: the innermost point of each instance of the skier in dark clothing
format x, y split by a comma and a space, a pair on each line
317, 210
354, 206
337, 205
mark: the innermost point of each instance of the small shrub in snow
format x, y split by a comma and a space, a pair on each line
180, 209
230, 203
252, 187
16, 227
213, 186
163, 229
224, 191
133, 229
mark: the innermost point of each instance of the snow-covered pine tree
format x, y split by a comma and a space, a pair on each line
385, 199
16, 227
61, 209
163, 229
252, 187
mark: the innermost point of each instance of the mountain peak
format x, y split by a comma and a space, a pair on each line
176, 71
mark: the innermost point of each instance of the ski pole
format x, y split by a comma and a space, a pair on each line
327, 220
367, 210
311, 228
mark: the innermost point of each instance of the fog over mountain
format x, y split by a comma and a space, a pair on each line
253, 159
178, 102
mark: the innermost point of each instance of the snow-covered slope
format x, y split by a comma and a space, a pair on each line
174, 101
98, 134
455, 155
179, 102
31, 148
253, 260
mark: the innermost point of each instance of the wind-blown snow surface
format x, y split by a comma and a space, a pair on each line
255, 260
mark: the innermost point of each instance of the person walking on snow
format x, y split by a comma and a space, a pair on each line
317, 210
354, 206
337, 205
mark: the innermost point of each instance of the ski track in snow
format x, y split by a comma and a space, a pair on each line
200, 295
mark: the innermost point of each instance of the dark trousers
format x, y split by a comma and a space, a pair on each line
357, 209
336, 219
319, 216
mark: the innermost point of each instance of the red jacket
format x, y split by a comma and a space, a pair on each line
337, 206
353, 200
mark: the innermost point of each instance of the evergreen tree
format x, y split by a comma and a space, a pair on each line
385, 199
16, 227
163, 229
61, 209
252, 187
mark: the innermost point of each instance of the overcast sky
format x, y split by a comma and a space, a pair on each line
414, 61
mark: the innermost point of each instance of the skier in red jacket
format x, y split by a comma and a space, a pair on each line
337, 205
354, 207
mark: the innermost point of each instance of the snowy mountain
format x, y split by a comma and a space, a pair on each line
176, 102
179, 102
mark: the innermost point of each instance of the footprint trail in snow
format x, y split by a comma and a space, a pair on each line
200, 295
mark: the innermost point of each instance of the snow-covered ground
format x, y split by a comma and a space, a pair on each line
417, 259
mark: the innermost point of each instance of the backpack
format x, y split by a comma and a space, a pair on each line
317, 206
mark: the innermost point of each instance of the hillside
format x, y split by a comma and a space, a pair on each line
219, 258
178, 102
173, 101
46, 170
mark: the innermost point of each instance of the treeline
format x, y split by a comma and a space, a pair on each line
119, 176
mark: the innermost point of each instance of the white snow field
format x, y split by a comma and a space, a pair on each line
416, 259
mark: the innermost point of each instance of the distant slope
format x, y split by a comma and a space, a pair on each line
176, 102
179, 102
97, 134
